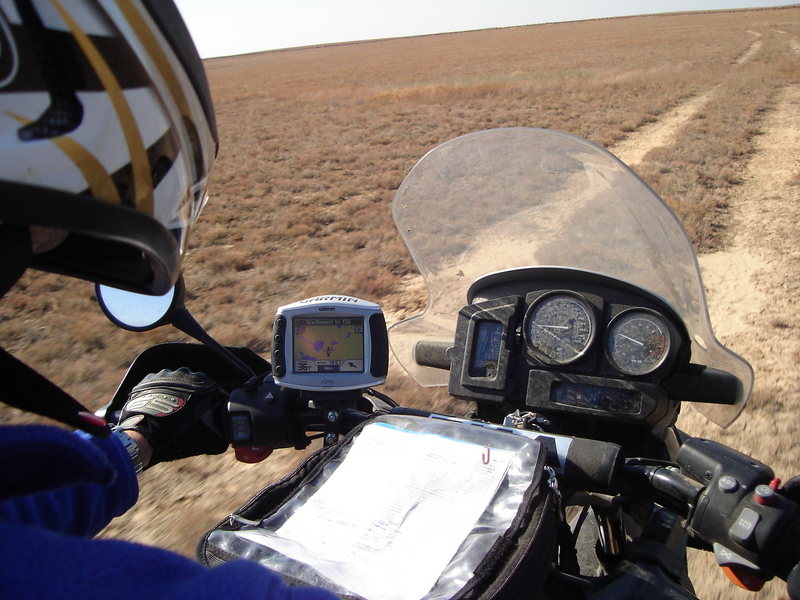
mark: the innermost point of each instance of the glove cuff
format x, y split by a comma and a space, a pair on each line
131, 446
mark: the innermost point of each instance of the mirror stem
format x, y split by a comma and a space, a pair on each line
184, 321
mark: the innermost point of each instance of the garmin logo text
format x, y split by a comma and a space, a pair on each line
331, 299
326, 309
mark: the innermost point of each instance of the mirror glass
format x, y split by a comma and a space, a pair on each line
138, 312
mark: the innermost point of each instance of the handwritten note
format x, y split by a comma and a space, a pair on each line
390, 518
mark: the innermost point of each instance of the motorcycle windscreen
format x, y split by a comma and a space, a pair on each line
520, 197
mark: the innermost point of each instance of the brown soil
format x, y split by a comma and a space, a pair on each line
754, 295
753, 290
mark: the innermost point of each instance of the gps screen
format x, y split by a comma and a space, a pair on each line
328, 344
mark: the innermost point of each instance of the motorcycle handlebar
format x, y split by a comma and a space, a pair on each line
729, 500
432, 353
787, 556
737, 508
269, 415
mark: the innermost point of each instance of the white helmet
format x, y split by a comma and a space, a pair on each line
107, 132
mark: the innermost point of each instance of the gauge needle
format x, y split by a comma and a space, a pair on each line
566, 342
630, 339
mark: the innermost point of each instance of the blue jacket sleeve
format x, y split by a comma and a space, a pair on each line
56, 490
65, 482
37, 563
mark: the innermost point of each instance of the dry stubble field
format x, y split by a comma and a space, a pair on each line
315, 141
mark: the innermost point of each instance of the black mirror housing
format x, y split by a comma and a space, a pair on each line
140, 312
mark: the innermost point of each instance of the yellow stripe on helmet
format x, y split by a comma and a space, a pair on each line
156, 52
97, 178
142, 177
162, 62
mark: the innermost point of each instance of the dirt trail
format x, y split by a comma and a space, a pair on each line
754, 296
662, 132
632, 149
752, 50
753, 289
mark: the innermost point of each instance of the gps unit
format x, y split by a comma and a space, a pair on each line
330, 344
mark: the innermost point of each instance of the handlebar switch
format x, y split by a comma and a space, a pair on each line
252, 454
744, 527
739, 512
730, 477
727, 484
764, 495
740, 571
262, 417
240, 430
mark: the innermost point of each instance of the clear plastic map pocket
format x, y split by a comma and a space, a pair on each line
404, 508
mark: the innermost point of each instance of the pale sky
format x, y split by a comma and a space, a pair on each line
239, 26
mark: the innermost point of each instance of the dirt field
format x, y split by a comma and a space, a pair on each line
752, 290
315, 141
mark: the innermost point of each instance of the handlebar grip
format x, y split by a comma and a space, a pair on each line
591, 465
580, 463
787, 557
431, 353
705, 386
262, 417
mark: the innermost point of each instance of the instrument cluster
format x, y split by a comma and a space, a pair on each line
561, 327
599, 348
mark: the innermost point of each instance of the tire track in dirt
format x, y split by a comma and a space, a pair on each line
753, 289
754, 300
662, 132
751, 50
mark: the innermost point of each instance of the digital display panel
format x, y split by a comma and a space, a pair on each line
328, 345
614, 400
486, 349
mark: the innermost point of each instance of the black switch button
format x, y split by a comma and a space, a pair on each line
742, 530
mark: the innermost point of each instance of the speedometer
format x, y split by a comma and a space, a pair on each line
638, 342
559, 328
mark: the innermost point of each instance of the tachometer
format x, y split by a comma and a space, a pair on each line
638, 342
559, 328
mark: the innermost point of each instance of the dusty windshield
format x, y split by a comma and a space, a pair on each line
518, 197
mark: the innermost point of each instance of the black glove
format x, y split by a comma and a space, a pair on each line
175, 411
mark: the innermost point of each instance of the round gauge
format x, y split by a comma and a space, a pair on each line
638, 342
560, 328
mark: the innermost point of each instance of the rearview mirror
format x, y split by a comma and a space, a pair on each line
139, 312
